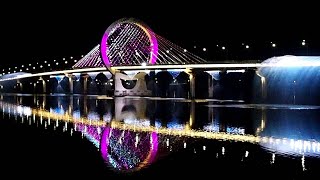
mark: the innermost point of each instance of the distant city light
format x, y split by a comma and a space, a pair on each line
204, 49
247, 46
223, 48
71, 57
303, 43
273, 45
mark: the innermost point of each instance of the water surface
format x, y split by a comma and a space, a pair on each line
98, 136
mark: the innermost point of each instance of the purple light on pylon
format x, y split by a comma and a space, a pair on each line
103, 49
128, 49
155, 49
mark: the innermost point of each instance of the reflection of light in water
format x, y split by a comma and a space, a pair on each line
303, 163
137, 122
213, 127
76, 114
93, 116
246, 154
158, 124
107, 117
19, 109
57, 110
24, 110
273, 158
293, 147
92, 133
235, 130
175, 125
282, 145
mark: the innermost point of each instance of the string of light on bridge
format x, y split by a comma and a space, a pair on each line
41, 66
56, 64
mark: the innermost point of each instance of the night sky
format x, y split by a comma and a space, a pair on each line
48, 31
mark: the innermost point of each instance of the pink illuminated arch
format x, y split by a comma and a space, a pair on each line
128, 42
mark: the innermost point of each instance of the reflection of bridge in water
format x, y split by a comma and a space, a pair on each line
94, 128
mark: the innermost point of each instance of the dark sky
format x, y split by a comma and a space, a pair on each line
35, 32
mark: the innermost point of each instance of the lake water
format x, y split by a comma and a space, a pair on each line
62, 136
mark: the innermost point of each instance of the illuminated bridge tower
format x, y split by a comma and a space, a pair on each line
132, 45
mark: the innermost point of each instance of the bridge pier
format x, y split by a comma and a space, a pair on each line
131, 84
44, 85
192, 83
20, 86
70, 83
85, 84
263, 86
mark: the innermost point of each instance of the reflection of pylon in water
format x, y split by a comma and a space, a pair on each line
128, 150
